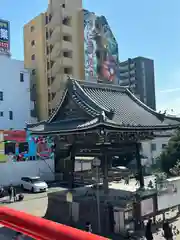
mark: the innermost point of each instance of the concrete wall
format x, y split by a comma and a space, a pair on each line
149, 152
16, 94
171, 194
11, 172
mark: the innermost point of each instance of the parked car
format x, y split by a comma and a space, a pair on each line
33, 184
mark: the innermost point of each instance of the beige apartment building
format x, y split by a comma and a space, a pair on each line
53, 49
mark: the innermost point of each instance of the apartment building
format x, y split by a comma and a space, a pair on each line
53, 43
138, 74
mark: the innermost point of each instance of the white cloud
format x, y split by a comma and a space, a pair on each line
171, 106
170, 90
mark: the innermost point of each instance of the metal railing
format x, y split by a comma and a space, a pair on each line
41, 229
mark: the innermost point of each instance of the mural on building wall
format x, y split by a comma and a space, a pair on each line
21, 146
109, 64
90, 60
100, 50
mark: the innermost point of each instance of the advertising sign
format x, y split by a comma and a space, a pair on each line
16, 136
147, 207
4, 36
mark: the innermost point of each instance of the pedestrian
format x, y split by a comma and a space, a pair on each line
168, 234
15, 194
148, 230
88, 227
18, 236
11, 193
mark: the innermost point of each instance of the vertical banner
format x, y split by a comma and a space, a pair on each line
3, 157
4, 36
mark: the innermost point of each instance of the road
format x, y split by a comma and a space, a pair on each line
35, 204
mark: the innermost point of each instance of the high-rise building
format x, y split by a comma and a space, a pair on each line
68, 41
53, 43
138, 74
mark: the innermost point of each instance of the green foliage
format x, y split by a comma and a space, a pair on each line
176, 169
169, 157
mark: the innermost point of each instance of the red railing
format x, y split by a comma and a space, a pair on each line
41, 229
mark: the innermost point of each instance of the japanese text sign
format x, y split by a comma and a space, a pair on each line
4, 35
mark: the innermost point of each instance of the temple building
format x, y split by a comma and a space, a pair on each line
103, 121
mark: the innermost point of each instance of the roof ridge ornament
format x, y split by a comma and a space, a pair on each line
102, 117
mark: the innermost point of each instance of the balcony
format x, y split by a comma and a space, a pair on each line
56, 83
67, 29
59, 83
55, 53
56, 68
67, 45
55, 35
56, 19
67, 61
33, 94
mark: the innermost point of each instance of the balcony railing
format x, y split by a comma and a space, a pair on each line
41, 229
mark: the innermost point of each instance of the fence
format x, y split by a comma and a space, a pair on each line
11, 172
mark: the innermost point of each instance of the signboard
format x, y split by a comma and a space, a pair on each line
15, 135
96, 162
4, 36
147, 207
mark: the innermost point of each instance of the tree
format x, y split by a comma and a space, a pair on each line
176, 169
169, 157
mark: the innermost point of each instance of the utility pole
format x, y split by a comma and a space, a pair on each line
97, 163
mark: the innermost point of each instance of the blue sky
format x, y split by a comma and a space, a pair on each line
142, 28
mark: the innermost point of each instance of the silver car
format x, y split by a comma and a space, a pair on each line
33, 184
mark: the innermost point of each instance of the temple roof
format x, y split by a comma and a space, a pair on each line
109, 105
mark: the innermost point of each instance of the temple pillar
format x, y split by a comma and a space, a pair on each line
139, 166
71, 169
105, 173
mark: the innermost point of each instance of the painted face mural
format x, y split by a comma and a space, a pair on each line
90, 64
43, 147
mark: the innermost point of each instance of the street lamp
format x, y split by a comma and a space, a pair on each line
96, 163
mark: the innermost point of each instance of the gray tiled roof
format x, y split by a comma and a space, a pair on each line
128, 110
120, 107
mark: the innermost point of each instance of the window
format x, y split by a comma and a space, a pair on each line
1, 96
23, 147
47, 34
10, 115
32, 28
34, 72
50, 17
32, 43
21, 77
46, 19
67, 21
1, 114
9, 148
49, 97
153, 147
53, 95
49, 112
164, 146
67, 38
68, 70
33, 57
67, 54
